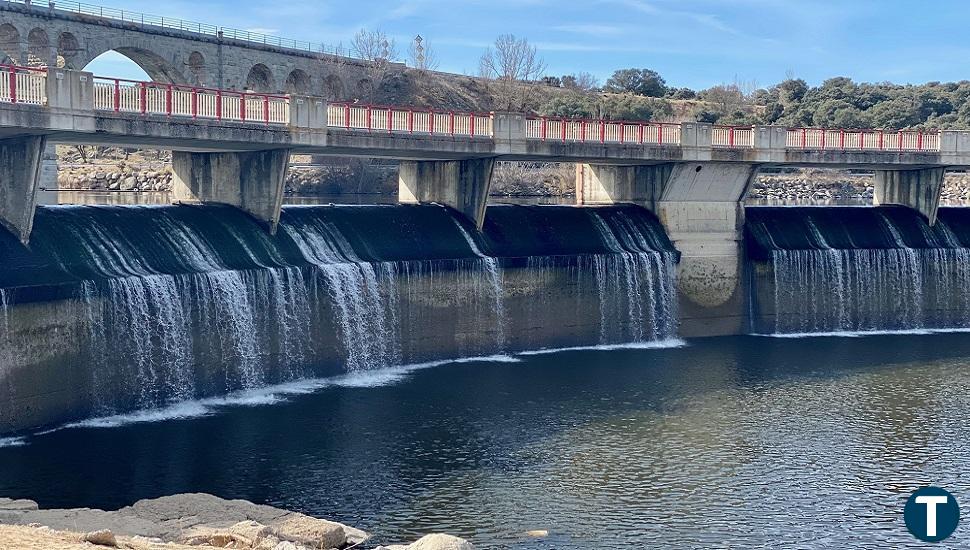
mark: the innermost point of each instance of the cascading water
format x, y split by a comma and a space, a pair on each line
490, 268
165, 304
363, 295
858, 270
635, 283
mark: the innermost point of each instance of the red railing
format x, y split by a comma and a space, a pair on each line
23, 84
153, 98
602, 131
732, 137
862, 139
389, 119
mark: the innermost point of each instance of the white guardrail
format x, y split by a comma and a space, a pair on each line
581, 130
28, 85
128, 96
374, 118
23, 85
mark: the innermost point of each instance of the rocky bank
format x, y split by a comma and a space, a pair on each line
188, 521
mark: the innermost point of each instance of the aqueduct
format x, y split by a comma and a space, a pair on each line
173, 51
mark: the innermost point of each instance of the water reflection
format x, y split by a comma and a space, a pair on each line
732, 442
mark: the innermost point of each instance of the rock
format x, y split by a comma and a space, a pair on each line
8, 504
128, 184
114, 186
312, 532
103, 537
249, 532
439, 541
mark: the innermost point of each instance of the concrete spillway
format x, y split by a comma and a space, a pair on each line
113, 309
821, 270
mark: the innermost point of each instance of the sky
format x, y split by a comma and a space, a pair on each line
691, 43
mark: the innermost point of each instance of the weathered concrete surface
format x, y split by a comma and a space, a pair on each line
20, 164
252, 182
702, 210
462, 185
916, 189
609, 184
700, 205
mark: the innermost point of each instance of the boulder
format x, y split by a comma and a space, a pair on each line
439, 541
250, 532
102, 537
128, 184
312, 532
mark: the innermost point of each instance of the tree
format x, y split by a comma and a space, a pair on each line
636, 81
380, 50
513, 66
421, 55
551, 81
374, 46
582, 82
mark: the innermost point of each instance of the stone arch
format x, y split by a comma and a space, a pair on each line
333, 87
197, 70
68, 49
9, 43
38, 48
155, 66
298, 82
260, 79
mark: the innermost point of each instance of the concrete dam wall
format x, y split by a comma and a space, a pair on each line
857, 269
115, 309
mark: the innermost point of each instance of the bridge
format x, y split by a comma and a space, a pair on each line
233, 147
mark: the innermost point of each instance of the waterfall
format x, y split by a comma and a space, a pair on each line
635, 283
363, 295
166, 304
905, 276
490, 267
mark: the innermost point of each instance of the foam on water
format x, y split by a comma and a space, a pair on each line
670, 343
12, 442
267, 395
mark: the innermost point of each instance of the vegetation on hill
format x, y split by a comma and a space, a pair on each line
511, 78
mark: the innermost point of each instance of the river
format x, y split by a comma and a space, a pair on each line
723, 442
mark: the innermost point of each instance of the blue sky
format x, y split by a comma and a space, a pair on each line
694, 43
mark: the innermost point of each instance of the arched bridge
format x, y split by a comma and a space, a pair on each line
71, 34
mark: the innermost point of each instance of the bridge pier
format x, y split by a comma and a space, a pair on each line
251, 181
917, 189
700, 205
459, 184
20, 173
607, 184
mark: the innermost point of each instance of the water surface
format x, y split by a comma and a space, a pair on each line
730, 442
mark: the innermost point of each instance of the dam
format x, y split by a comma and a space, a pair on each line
114, 309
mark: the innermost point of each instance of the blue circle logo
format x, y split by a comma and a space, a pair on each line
931, 514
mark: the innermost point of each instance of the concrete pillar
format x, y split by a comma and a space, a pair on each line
509, 132
70, 90
47, 181
459, 184
608, 184
251, 181
701, 208
917, 189
20, 161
